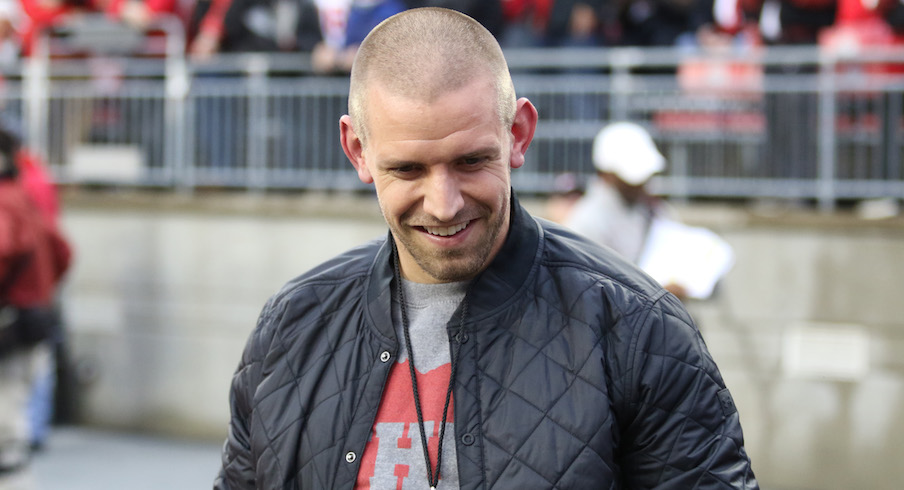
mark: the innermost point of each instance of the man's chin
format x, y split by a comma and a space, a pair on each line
454, 274
450, 266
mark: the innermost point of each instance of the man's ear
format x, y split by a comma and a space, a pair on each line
523, 127
354, 150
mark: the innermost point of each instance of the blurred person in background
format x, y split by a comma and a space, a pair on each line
205, 28
33, 258
10, 39
488, 13
253, 26
567, 190
362, 16
243, 26
473, 346
38, 184
524, 23
861, 27
617, 209
563, 23
790, 22
53, 394
329, 54
618, 212
663, 22
582, 23
41, 14
792, 116
35, 180
139, 14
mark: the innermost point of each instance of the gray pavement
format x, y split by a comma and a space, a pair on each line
91, 459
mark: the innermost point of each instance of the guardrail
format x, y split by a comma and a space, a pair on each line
800, 123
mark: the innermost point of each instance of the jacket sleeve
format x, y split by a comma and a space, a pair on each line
17, 243
237, 470
678, 425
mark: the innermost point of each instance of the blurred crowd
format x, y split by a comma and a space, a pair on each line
331, 29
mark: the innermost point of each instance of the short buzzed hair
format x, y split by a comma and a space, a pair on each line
424, 53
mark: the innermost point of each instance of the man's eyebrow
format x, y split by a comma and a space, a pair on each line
393, 163
488, 150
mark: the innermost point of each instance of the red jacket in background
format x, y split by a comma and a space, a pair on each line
38, 185
40, 14
31, 248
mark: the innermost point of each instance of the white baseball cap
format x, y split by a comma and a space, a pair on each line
627, 150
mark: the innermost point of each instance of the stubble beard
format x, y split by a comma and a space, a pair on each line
446, 265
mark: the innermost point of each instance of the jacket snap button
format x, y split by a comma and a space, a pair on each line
385, 356
350, 457
467, 439
462, 338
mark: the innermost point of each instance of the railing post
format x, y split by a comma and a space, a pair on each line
177, 85
680, 171
37, 94
622, 61
825, 180
257, 121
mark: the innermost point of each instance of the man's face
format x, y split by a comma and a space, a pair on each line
632, 194
442, 172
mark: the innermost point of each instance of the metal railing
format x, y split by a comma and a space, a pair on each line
798, 123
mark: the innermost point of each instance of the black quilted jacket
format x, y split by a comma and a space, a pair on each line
577, 372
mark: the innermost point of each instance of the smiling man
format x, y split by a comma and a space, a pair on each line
441, 166
475, 346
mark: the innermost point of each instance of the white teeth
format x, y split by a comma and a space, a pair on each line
445, 231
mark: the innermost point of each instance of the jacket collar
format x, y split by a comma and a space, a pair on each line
493, 289
510, 270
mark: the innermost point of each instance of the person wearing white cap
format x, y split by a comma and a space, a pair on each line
617, 210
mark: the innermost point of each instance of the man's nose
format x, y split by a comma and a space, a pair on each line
442, 196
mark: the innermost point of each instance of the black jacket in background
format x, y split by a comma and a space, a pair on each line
249, 26
487, 12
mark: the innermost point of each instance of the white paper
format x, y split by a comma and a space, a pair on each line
692, 257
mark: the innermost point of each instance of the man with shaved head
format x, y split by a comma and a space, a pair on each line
474, 346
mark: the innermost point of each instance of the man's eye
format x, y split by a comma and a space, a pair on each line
405, 170
474, 160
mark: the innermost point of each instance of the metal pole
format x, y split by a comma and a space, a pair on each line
258, 121
825, 185
177, 170
622, 62
37, 93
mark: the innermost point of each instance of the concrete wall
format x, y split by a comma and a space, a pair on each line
808, 327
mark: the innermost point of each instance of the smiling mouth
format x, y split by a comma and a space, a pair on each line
445, 230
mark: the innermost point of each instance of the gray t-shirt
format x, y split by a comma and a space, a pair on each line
394, 455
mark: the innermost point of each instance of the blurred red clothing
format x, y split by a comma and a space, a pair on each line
538, 10
214, 18
38, 185
31, 249
41, 14
861, 26
114, 7
857, 10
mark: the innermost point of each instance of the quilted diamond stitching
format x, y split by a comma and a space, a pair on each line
569, 321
